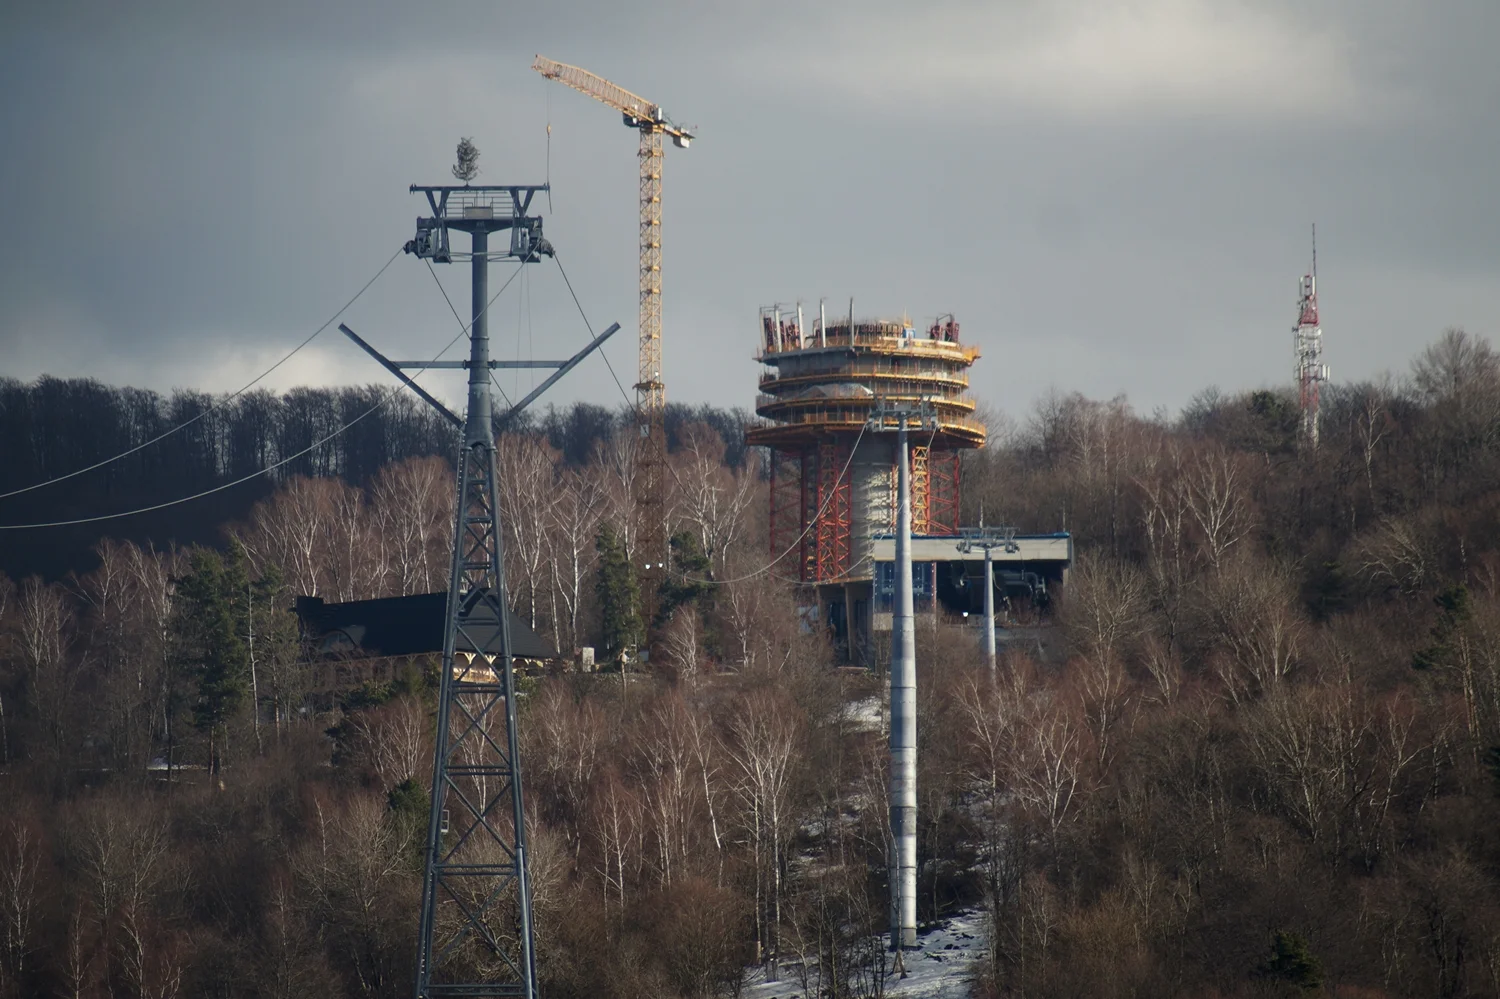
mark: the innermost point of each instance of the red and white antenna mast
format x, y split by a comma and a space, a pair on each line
1308, 337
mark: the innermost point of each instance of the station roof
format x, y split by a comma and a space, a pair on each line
1054, 548
399, 626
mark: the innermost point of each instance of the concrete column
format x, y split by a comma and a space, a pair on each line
989, 605
903, 721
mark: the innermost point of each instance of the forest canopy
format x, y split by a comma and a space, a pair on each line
1261, 758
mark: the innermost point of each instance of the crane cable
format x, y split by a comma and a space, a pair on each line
219, 404
269, 468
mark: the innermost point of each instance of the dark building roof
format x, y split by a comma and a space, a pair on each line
399, 626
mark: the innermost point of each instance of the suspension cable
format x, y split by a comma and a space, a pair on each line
219, 404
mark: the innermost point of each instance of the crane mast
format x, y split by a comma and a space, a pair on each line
650, 391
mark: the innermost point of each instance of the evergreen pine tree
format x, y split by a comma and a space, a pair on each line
1292, 961
618, 593
685, 586
212, 628
1454, 611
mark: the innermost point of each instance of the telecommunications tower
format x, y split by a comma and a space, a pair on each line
1308, 338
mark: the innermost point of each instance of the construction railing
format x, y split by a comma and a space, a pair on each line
852, 418
955, 378
861, 407
883, 342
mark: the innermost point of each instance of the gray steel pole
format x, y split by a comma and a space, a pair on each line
989, 605
478, 427
903, 720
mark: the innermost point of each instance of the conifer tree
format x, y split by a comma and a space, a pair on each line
467, 167
212, 629
619, 595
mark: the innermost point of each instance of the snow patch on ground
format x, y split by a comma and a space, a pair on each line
940, 968
866, 714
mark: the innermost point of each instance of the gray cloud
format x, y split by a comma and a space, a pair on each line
1112, 196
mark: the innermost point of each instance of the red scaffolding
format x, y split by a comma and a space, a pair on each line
942, 492
834, 509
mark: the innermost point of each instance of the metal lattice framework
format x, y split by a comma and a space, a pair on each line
475, 930
476, 911
475, 935
650, 392
921, 491
1308, 338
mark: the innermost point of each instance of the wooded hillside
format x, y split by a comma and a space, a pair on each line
1270, 764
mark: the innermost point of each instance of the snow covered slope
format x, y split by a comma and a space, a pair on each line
938, 969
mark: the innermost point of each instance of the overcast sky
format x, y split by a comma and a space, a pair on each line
1113, 196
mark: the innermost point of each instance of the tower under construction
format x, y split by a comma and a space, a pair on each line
833, 487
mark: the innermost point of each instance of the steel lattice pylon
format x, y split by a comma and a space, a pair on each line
476, 911
475, 935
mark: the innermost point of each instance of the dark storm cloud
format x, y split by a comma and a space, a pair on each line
1113, 197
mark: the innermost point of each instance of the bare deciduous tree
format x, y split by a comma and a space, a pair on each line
124, 853
355, 875
393, 741
44, 633
20, 861
1251, 615
575, 515
763, 731
618, 828
1048, 771
1105, 607
1215, 498
711, 497
413, 507
528, 469
1395, 554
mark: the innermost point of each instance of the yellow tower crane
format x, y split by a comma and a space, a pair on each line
650, 392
